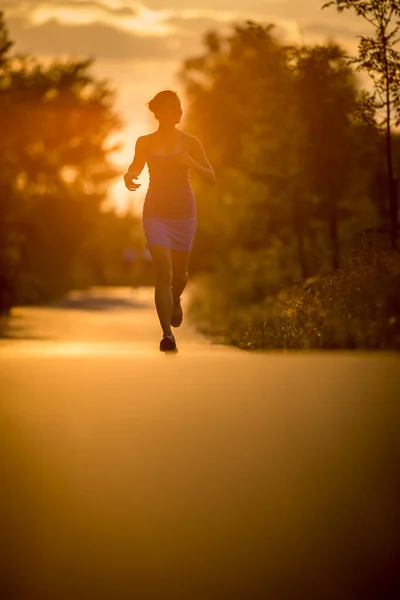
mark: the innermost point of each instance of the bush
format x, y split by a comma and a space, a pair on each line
357, 307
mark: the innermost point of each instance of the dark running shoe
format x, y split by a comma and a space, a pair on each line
177, 314
168, 343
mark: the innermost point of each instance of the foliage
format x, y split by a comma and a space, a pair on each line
113, 253
357, 307
56, 122
292, 157
299, 179
378, 56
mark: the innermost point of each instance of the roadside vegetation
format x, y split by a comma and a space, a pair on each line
357, 306
56, 232
297, 242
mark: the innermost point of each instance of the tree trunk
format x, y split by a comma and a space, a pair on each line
394, 211
334, 235
298, 226
389, 157
392, 191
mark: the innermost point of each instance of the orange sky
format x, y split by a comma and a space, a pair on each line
139, 45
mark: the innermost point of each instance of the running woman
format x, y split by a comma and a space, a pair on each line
169, 211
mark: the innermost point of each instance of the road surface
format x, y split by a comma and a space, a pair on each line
211, 474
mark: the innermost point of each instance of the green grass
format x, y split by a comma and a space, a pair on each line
357, 307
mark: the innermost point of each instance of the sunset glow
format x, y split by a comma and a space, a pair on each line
145, 22
139, 46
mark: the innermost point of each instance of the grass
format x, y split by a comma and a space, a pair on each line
356, 307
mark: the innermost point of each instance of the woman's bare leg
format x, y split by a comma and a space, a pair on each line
180, 264
161, 256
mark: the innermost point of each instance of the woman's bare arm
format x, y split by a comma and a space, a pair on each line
196, 159
202, 166
137, 165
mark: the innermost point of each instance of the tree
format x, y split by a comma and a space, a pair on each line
56, 121
327, 98
279, 123
241, 103
377, 55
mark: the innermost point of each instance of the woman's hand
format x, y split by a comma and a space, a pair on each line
132, 187
197, 160
184, 158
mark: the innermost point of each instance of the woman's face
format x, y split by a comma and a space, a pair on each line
170, 111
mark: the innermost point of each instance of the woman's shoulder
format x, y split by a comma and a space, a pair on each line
144, 139
191, 140
143, 143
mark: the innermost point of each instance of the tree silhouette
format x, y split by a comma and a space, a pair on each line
327, 98
377, 55
56, 122
280, 125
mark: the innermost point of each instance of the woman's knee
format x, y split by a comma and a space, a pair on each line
164, 275
180, 278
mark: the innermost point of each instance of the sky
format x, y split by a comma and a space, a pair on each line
139, 46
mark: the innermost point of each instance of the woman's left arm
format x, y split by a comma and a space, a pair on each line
196, 159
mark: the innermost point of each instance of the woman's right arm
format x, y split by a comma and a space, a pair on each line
137, 165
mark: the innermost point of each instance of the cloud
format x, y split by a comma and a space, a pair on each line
260, 6
129, 30
335, 32
142, 35
111, 12
96, 39
116, 13
23, 7
180, 18
198, 26
116, 5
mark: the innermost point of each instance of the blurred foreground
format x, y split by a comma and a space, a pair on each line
211, 474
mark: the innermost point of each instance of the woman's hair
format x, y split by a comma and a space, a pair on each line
156, 103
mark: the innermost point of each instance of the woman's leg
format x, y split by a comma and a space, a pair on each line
180, 264
161, 256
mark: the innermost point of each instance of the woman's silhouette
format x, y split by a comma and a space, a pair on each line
169, 211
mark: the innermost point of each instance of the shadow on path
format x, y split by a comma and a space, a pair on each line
100, 299
26, 322
16, 327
